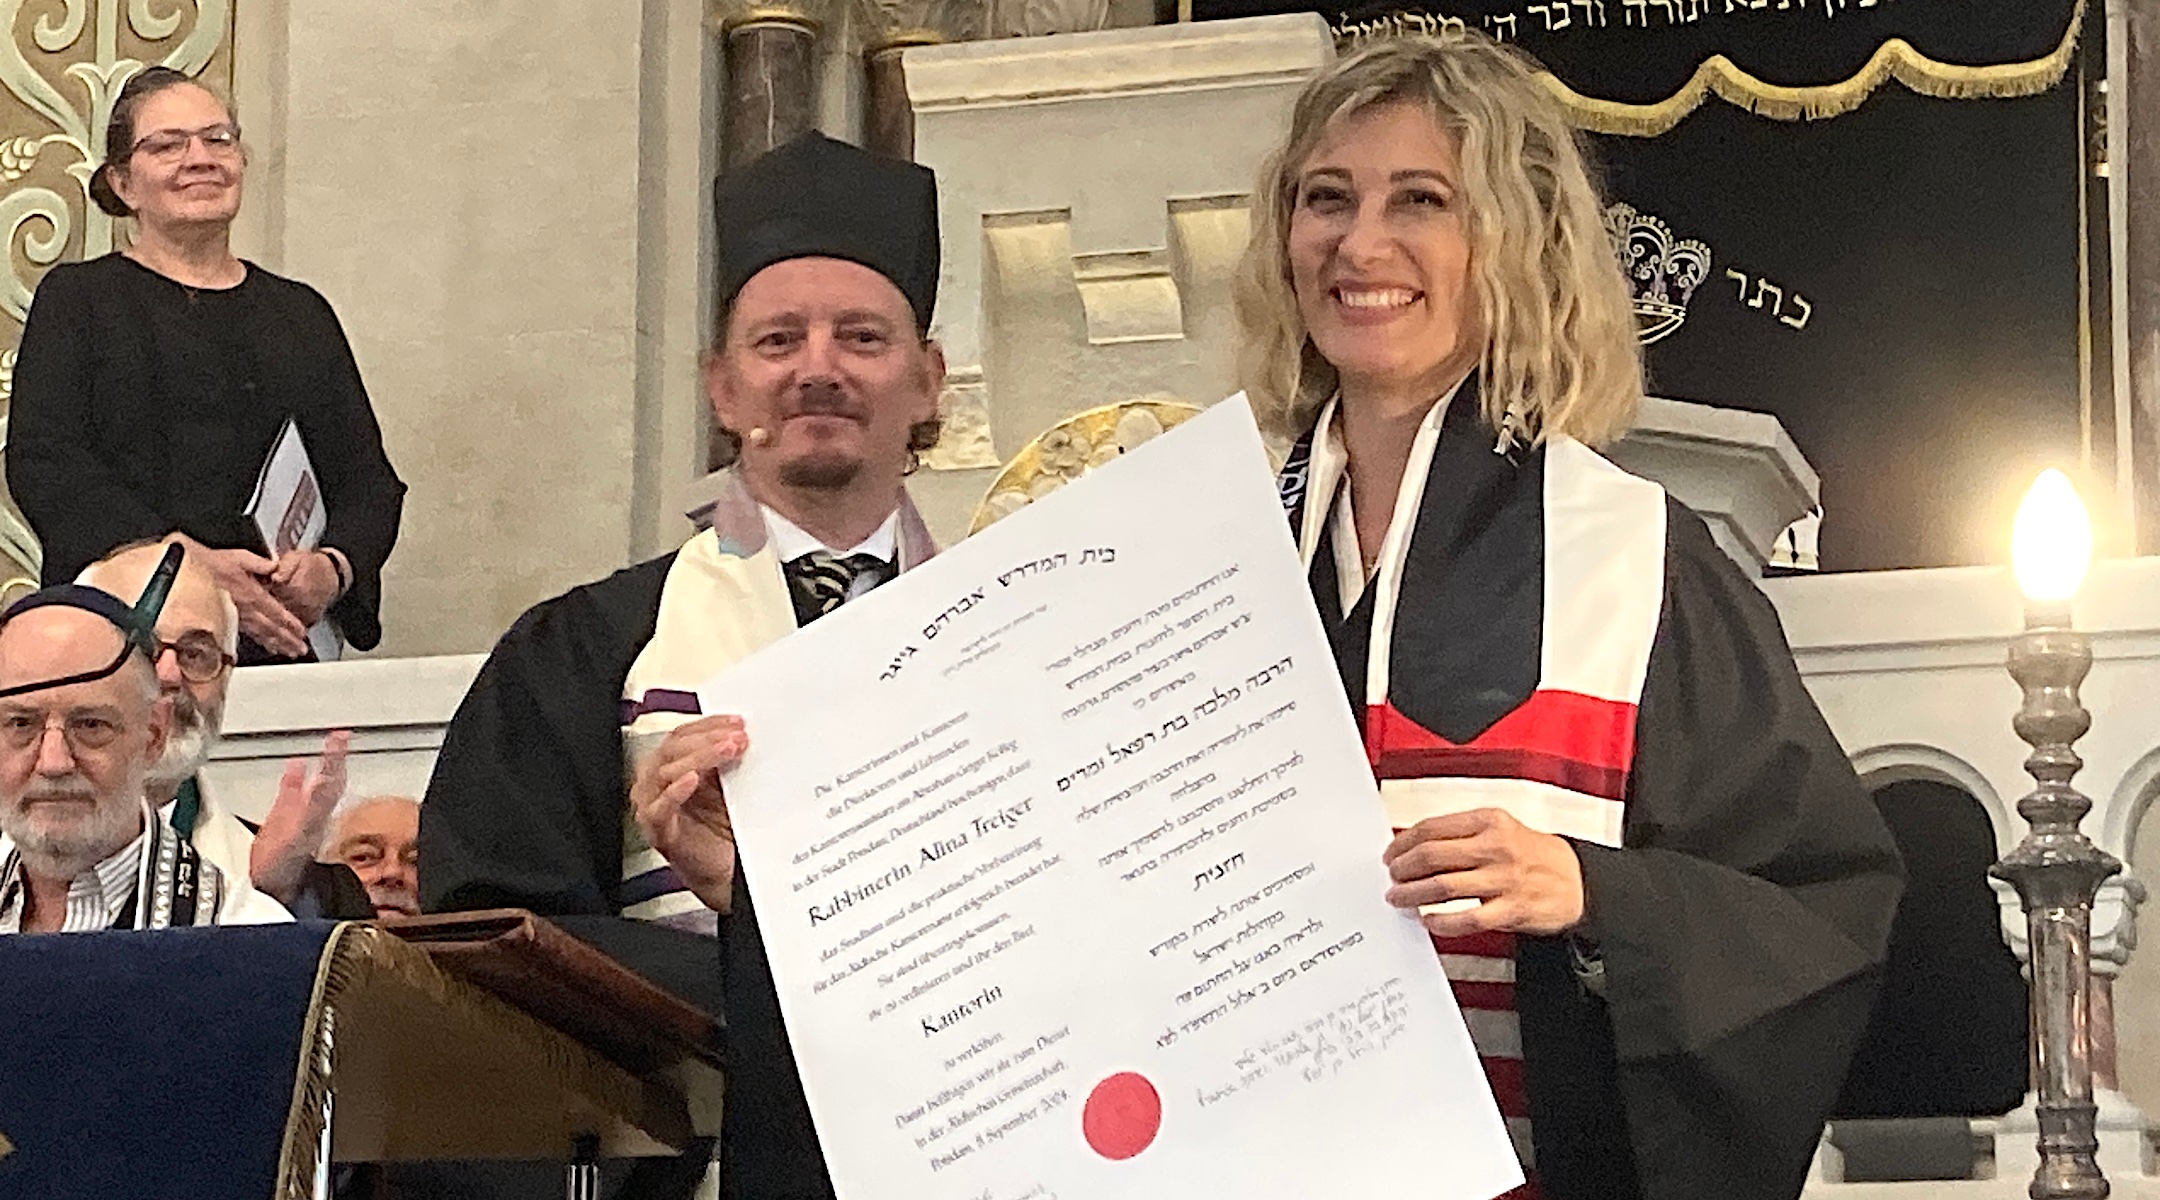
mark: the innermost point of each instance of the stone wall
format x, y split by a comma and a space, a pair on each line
504, 204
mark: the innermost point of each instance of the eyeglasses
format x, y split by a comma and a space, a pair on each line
167, 145
20, 729
200, 657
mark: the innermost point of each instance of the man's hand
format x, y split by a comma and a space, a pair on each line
263, 616
677, 801
306, 583
292, 832
1527, 882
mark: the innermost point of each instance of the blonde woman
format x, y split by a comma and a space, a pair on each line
1658, 889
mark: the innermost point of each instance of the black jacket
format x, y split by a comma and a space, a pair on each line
142, 407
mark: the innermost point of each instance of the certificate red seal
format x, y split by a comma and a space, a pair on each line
1122, 1116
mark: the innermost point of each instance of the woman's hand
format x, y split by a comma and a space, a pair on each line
1526, 882
678, 804
263, 616
306, 582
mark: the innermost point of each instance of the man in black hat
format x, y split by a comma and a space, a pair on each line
578, 778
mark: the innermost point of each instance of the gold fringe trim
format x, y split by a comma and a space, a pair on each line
361, 957
300, 1157
1721, 77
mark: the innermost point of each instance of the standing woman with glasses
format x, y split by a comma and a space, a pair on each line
152, 383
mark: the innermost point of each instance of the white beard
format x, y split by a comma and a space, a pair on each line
187, 748
71, 849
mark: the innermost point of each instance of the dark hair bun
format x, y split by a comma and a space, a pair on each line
103, 195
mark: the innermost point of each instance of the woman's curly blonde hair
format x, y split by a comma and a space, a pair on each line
1547, 284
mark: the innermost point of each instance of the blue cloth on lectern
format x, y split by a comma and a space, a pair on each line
151, 1065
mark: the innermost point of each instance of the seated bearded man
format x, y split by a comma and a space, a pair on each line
81, 723
197, 638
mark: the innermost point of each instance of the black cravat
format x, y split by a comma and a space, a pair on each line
819, 581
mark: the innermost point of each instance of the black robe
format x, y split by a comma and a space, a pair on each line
1742, 928
525, 809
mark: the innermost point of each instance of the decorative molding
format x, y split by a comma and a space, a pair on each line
1739, 471
1075, 446
1092, 197
1129, 296
1900, 762
1260, 52
1908, 668
964, 436
1954, 617
396, 709
1037, 18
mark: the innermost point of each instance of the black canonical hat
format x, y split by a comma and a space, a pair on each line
818, 198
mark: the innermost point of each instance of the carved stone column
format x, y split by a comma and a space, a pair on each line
894, 26
770, 73
769, 77
2134, 167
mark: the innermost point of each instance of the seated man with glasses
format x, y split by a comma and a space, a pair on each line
196, 636
82, 722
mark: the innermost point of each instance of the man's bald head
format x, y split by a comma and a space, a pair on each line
58, 641
200, 618
196, 601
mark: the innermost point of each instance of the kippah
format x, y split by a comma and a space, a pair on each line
77, 595
137, 623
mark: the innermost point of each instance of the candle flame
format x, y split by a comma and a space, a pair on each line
2051, 540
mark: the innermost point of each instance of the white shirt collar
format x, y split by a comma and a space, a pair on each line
791, 541
1350, 574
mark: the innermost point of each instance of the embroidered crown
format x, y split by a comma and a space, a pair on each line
1662, 272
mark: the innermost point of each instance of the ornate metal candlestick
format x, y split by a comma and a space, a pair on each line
2057, 870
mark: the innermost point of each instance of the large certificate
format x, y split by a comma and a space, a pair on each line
1067, 861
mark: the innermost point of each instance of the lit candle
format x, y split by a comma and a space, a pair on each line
2050, 547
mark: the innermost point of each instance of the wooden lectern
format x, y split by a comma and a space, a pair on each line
493, 1035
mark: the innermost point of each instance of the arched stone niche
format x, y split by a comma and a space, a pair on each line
1949, 1034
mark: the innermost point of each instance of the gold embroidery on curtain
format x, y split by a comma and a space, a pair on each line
1719, 76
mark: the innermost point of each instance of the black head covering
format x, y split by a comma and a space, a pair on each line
818, 198
137, 623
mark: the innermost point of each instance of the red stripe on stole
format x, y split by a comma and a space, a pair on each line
1566, 725
1489, 997
1503, 1075
1506, 1077
1494, 944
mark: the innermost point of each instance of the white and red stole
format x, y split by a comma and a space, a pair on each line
725, 598
1505, 635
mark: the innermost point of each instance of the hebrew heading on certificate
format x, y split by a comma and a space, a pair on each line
1067, 860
